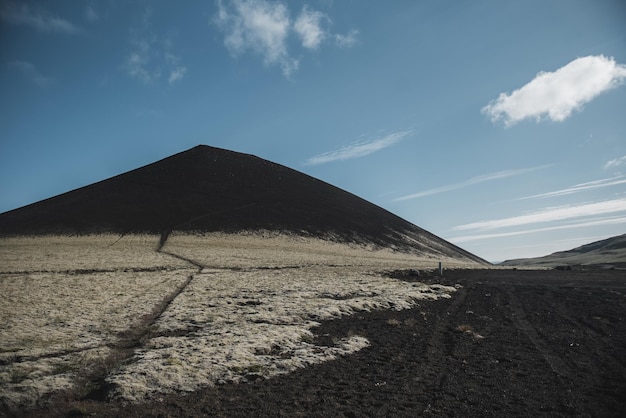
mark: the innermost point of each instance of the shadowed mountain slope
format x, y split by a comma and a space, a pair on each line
208, 189
607, 252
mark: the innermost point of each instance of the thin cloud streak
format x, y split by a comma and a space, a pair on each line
359, 149
550, 214
607, 221
40, 19
91, 14
613, 181
348, 40
555, 95
615, 162
28, 70
475, 180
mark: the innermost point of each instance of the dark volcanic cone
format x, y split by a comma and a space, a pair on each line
207, 189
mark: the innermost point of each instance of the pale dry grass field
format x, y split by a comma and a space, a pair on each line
85, 252
271, 249
55, 325
69, 304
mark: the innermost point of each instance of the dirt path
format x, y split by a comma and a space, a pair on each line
122, 349
134, 338
509, 343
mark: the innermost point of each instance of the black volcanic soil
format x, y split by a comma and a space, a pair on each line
509, 343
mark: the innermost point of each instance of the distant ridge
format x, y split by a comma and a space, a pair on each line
610, 252
207, 189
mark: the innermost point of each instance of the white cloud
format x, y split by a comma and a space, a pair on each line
28, 70
150, 57
550, 214
91, 14
309, 27
470, 182
348, 40
22, 14
613, 181
148, 60
139, 60
264, 27
583, 224
260, 26
615, 163
176, 69
176, 74
557, 94
359, 149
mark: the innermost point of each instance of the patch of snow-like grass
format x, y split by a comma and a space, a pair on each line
43, 313
24, 383
54, 325
229, 326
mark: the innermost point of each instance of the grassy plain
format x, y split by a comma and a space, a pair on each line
208, 309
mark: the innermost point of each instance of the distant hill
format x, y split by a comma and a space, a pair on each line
208, 189
608, 252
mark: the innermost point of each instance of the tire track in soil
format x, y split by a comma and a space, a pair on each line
437, 349
519, 314
573, 334
591, 332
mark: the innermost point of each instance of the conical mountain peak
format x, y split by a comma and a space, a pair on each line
207, 189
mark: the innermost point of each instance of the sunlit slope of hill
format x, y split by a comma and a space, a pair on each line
208, 189
607, 252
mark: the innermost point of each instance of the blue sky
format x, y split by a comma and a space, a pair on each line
498, 125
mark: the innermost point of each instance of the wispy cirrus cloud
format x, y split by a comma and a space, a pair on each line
138, 62
176, 74
173, 63
582, 224
91, 14
615, 162
348, 40
150, 58
560, 213
40, 19
359, 149
555, 95
264, 27
596, 184
474, 180
30, 72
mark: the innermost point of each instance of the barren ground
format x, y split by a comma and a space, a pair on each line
507, 343
266, 328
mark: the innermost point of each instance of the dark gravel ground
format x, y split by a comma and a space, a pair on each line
508, 343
